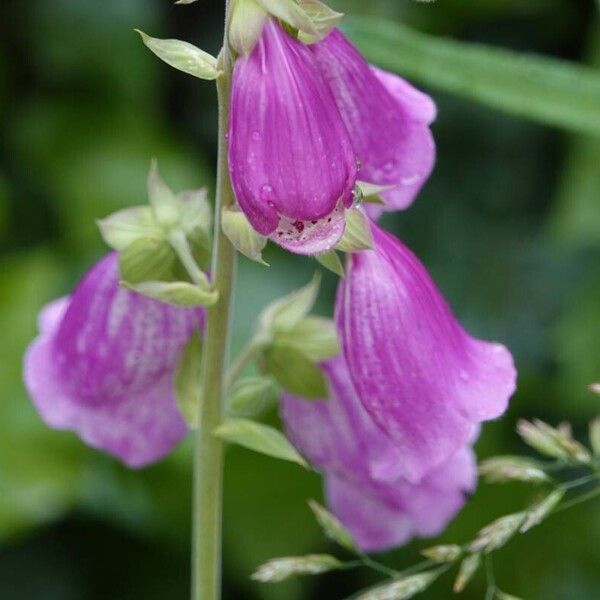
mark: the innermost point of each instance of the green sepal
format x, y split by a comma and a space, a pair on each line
246, 25
331, 260
292, 13
147, 259
165, 205
187, 380
260, 438
370, 193
357, 235
183, 56
122, 228
295, 372
285, 313
242, 235
315, 337
177, 293
252, 395
324, 20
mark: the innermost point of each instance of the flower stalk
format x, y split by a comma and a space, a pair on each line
208, 455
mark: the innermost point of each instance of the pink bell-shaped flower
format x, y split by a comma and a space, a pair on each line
363, 467
421, 377
103, 366
387, 119
292, 165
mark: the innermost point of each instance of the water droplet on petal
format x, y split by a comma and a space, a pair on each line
266, 192
256, 136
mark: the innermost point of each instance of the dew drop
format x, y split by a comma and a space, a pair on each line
266, 192
256, 136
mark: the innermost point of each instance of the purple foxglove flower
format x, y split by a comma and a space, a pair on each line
363, 468
103, 366
291, 162
388, 121
422, 378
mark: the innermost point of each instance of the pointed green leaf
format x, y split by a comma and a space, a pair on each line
547, 90
122, 228
187, 380
331, 260
183, 56
260, 438
279, 569
357, 235
147, 259
285, 313
315, 337
177, 293
332, 527
295, 372
242, 235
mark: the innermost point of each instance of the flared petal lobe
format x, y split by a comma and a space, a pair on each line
422, 378
388, 121
291, 161
103, 366
363, 469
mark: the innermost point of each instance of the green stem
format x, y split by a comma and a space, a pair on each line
180, 244
208, 455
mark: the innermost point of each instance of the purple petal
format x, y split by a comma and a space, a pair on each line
388, 120
311, 237
338, 435
381, 517
373, 524
290, 155
363, 467
103, 366
423, 379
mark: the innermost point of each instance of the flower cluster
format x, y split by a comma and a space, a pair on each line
307, 122
103, 366
408, 387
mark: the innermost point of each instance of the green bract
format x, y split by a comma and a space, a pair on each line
242, 235
183, 56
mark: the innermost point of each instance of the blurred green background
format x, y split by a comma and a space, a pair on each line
509, 225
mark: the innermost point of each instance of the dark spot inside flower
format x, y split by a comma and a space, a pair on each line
299, 225
329, 220
314, 222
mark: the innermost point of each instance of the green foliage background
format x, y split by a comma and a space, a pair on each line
509, 225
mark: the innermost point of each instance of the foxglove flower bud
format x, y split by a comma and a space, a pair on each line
363, 468
103, 366
422, 378
291, 162
388, 121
